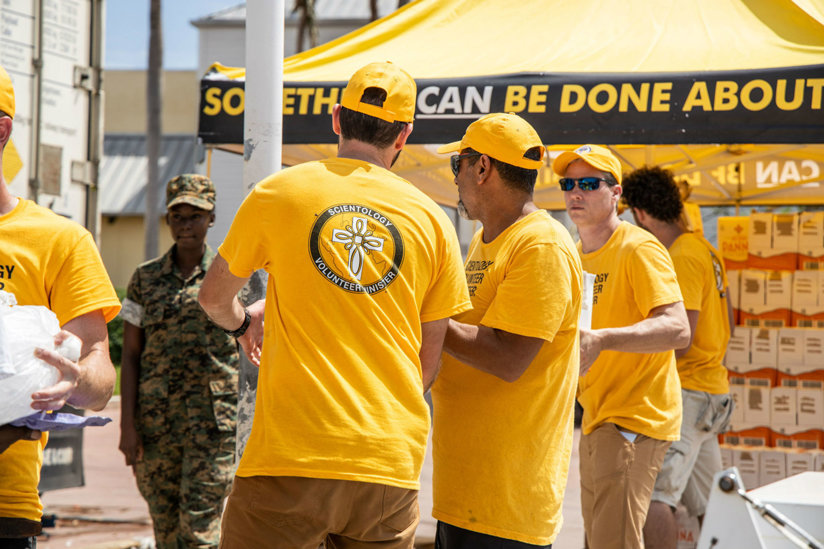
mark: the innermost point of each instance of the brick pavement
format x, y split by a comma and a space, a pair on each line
108, 513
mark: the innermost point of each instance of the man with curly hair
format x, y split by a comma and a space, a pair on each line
690, 463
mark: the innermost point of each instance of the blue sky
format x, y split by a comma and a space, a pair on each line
127, 32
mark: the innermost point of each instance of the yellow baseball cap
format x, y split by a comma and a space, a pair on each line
6, 93
400, 88
503, 136
598, 157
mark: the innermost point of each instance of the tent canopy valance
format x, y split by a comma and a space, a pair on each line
682, 84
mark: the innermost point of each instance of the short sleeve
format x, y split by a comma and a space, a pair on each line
132, 311
652, 277
447, 294
244, 247
82, 284
536, 294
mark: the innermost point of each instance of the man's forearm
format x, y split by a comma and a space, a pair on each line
218, 295
491, 351
652, 335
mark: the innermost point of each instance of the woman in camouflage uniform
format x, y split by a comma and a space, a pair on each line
179, 380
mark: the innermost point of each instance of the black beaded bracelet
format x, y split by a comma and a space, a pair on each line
247, 319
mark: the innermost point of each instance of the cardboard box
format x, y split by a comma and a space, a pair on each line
784, 403
785, 234
738, 348
753, 291
756, 437
759, 236
764, 347
738, 392
814, 348
810, 402
810, 238
747, 462
799, 462
773, 241
799, 320
733, 241
772, 466
757, 401
779, 290
818, 464
805, 292
790, 348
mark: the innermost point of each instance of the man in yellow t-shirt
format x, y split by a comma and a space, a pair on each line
504, 399
49, 261
628, 387
364, 273
691, 463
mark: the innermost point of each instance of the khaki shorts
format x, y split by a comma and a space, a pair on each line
300, 513
691, 463
617, 477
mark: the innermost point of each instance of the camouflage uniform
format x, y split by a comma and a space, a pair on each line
186, 404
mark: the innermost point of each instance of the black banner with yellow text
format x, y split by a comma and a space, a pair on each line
764, 106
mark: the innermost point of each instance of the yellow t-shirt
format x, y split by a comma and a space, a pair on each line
45, 260
501, 450
357, 258
703, 283
640, 392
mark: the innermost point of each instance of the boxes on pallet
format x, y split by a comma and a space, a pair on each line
756, 437
733, 241
772, 466
810, 239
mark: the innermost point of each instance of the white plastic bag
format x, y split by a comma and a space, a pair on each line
23, 328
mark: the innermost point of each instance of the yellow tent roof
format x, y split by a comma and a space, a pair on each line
670, 82
465, 38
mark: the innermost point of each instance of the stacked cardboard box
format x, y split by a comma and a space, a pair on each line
776, 354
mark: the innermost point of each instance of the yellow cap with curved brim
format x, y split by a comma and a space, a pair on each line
503, 136
6, 93
401, 92
600, 158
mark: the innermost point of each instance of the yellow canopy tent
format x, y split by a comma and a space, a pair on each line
726, 93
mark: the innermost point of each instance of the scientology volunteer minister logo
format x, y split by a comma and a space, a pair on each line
356, 248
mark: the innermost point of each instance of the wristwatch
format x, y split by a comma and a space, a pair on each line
247, 318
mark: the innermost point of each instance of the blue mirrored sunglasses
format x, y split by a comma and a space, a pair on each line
455, 161
584, 183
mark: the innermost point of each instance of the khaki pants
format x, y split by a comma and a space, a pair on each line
300, 513
617, 477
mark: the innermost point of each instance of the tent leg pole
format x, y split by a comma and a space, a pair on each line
209, 162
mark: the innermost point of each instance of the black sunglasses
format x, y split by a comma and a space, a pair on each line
584, 183
455, 161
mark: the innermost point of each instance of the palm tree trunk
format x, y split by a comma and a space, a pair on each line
153, 128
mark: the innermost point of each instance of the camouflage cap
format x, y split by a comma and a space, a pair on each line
190, 188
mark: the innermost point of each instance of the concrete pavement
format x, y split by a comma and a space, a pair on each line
109, 513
